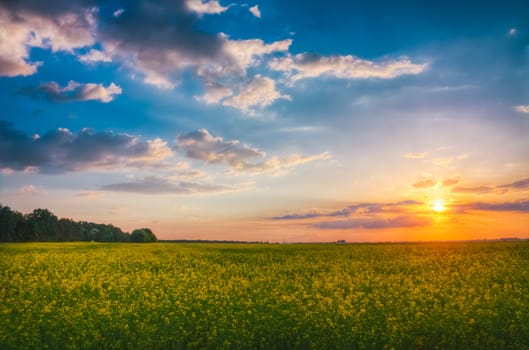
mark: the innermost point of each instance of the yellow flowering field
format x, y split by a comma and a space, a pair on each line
245, 296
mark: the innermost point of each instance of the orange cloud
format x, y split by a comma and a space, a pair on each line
424, 184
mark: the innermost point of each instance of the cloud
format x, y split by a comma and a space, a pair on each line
449, 182
211, 149
260, 92
74, 91
306, 65
512, 32
355, 209
254, 10
209, 7
520, 185
474, 190
164, 40
118, 12
364, 216
373, 223
28, 190
429, 183
424, 184
522, 109
158, 185
517, 206
214, 93
226, 81
88, 194
246, 53
55, 25
60, 150
160, 39
278, 165
93, 56
202, 145
442, 161
517, 185
16, 67
414, 155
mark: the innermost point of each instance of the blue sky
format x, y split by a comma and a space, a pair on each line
212, 119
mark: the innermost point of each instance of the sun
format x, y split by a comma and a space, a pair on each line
438, 205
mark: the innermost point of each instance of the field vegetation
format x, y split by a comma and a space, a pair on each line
251, 296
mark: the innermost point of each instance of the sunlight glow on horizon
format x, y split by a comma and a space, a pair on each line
438, 206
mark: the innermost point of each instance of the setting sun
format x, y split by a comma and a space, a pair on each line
438, 205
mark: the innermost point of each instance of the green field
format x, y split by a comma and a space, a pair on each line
364, 296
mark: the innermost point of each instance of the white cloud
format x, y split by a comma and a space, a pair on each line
278, 165
214, 93
246, 53
522, 109
157, 150
443, 161
203, 146
254, 10
94, 56
162, 42
305, 65
23, 29
223, 77
92, 91
414, 155
28, 190
208, 7
75, 91
512, 32
6, 171
118, 12
260, 92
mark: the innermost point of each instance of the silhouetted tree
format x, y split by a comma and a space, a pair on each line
142, 235
43, 225
10, 221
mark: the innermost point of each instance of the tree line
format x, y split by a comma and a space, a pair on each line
41, 225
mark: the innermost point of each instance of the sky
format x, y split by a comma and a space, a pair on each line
279, 121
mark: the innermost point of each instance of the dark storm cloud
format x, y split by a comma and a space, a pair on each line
60, 150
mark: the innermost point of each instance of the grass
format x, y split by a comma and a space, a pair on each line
173, 296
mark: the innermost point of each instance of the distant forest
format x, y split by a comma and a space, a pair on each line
43, 226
